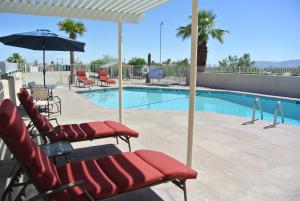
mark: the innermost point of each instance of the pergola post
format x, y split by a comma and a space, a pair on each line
193, 77
120, 71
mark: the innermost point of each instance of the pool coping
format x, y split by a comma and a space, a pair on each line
199, 89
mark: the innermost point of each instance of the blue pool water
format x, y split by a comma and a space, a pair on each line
221, 102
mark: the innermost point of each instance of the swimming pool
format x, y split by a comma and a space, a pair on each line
238, 104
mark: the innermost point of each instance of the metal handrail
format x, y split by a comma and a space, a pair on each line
257, 102
278, 107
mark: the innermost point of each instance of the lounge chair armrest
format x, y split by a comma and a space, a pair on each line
59, 189
54, 119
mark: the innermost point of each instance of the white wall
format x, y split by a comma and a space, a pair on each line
52, 77
10, 86
272, 85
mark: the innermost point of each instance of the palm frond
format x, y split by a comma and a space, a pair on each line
218, 34
184, 31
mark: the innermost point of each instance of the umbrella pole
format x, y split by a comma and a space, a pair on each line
44, 64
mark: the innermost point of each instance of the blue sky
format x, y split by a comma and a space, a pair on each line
267, 29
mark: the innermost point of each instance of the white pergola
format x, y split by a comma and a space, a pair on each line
118, 11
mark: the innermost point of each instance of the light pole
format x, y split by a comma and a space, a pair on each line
161, 24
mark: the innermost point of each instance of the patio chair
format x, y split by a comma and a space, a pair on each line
103, 77
82, 78
73, 132
98, 179
45, 100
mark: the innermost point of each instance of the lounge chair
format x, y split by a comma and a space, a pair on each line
73, 132
82, 78
90, 179
103, 77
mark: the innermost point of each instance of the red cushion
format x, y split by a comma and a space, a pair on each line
97, 129
55, 135
40, 122
102, 73
128, 171
15, 134
95, 180
23, 95
44, 172
80, 73
121, 129
167, 165
82, 78
103, 78
73, 132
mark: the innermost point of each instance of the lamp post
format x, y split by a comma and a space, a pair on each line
161, 24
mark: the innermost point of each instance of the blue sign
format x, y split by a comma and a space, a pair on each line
156, 72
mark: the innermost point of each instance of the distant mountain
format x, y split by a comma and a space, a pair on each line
280, 64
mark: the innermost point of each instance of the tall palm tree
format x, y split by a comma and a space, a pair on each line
73, 29
16, 58
206, 29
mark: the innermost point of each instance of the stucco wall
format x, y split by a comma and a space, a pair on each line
288, 86
52, 77
10, 86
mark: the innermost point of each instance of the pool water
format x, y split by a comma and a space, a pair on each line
238, 104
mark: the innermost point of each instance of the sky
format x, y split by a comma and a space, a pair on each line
267, 29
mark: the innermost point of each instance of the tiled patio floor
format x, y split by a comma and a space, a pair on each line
235, 162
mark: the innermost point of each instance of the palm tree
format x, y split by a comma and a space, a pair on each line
73, 29
206, 29
16, 58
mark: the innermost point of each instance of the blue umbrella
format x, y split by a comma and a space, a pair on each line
43, 39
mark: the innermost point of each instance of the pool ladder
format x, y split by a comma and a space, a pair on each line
256, 103
278, 108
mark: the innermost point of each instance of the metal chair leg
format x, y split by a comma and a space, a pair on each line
184, 191
128, 142
9, 188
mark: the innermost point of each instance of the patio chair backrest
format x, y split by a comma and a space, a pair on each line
81, 74
39, 93
14, 133
41, 123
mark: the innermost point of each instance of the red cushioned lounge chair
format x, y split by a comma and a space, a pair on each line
91, 179
73, 132
82, 78
103, 77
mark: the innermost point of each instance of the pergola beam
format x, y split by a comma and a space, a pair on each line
120, 72
68, 11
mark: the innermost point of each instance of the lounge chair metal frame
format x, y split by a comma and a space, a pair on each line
80, 80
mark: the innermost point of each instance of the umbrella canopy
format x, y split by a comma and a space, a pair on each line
43, 39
